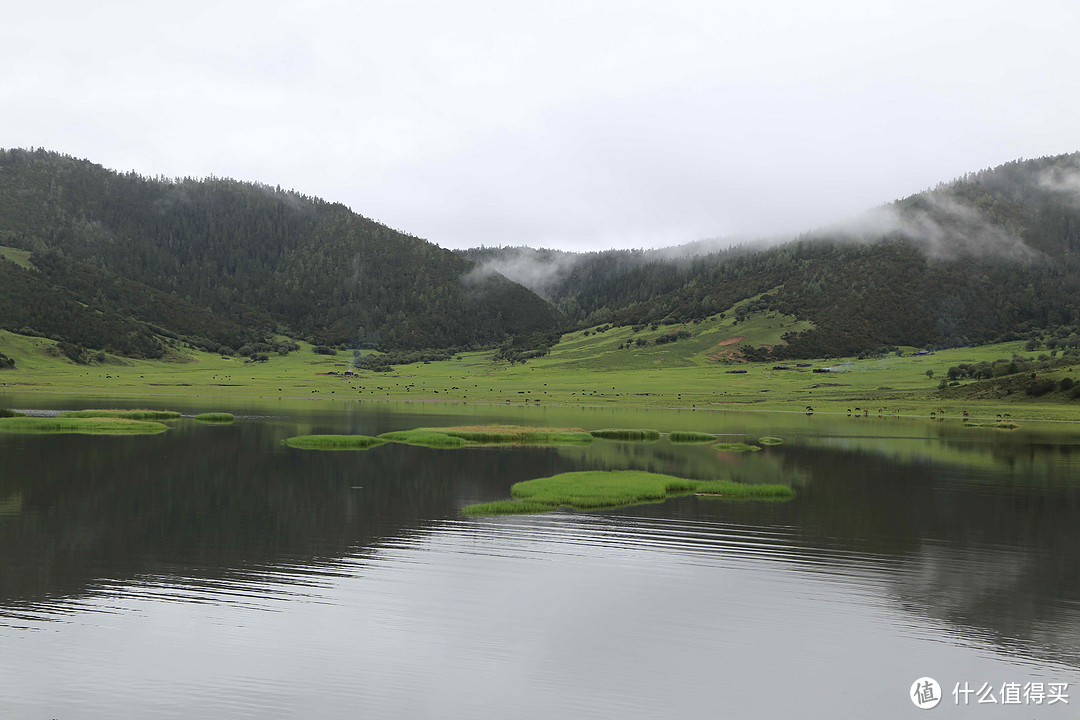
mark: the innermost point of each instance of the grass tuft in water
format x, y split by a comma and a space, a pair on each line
123, 414
631, 435
506, 507
770, 440
998, 425
690, 436
736, 447
215, 417
596, 489
82, 426
333, 442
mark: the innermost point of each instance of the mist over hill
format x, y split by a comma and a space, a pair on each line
989, 255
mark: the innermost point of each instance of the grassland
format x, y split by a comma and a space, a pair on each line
598, 369
597, 489
81, 426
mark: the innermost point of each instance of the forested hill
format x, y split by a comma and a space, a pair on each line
989, 256
119, 260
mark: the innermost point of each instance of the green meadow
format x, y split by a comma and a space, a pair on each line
594, 368
602, 489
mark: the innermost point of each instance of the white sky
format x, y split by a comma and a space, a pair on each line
579, 125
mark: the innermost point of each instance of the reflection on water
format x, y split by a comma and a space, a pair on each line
212, 572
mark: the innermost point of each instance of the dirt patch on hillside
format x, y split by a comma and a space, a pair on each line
724, 350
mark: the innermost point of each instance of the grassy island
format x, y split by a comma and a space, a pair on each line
123, 414
454, 437
691, 436
215, 417
629, 435
597, 489
333, 442
82, 426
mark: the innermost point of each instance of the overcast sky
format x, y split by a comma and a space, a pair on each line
578, 125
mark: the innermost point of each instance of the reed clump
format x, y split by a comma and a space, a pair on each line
81, 426
6, 413
626, 434
690, 436
333, 442
215, 417
770, 440
123, 414
597, 489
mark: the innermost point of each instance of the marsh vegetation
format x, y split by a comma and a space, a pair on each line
84, 426
597, 489
333, 442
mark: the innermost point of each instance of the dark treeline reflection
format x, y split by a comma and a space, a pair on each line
204, 500
978, 533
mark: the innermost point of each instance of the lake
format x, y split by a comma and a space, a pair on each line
211, 572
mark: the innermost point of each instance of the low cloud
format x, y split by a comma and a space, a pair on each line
1063, 180
539, 270
941, 225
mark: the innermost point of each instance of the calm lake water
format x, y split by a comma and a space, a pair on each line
211, 572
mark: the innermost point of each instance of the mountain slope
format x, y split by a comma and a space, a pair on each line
983, 258
250, 256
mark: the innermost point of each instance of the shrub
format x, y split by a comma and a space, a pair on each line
1039, 388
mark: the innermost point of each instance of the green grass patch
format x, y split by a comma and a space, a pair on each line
215, 417
516, 435
123, 414
426, 438
736, 447
770, 440
506, 507
621, 434
17, 256
690, 436
82, 426
455, 437
333, 442
5, 413
597, 489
